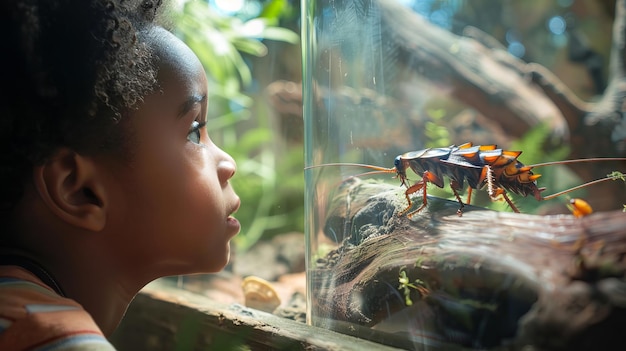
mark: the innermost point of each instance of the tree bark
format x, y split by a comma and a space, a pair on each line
487, 280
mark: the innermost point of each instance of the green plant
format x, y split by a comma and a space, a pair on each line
406, 285
222, 44
435, 130
617, 175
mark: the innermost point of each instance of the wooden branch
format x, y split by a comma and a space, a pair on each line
512, 93
497, 87
572, 108
166, 318
484, 280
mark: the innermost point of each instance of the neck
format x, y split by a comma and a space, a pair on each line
99, 287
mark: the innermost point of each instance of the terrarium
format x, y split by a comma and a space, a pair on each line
425, 250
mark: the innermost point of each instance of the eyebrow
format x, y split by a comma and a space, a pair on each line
186, 106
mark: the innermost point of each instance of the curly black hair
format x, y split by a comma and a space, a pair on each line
72, 70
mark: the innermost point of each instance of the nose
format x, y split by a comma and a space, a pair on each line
226, 167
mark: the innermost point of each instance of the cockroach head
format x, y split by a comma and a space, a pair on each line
400, 169
399, 165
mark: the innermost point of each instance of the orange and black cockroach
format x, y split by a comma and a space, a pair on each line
479, 165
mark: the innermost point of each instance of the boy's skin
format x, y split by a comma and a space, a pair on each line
105, 226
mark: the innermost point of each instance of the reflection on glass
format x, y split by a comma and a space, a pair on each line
382, 78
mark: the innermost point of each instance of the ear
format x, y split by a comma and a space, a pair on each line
72, 189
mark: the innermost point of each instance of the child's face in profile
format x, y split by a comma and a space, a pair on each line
174, 201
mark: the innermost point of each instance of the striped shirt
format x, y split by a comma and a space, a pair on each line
34, 317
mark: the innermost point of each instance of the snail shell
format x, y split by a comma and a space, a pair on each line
260, 294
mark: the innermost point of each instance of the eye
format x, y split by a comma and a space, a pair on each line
194, 132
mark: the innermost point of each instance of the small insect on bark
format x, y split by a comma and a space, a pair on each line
579, 207
479, 165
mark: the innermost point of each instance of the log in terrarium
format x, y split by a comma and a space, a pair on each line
486, 280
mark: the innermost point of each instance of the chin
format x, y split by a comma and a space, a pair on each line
219, 266
217, 261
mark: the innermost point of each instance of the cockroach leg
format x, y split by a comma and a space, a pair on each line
426, 178
469, 195
491, 188
454, 185
407, 194
508, 201
496, 191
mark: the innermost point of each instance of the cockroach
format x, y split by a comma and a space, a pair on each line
479, 165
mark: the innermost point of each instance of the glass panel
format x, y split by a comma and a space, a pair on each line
384, 78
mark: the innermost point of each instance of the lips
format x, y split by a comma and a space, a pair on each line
234, 225
232, 221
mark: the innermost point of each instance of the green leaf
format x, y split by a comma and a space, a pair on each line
281, 34
275, 9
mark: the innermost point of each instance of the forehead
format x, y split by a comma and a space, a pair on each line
177, 63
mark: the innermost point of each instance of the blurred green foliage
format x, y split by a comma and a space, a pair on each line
235, 123
435, 129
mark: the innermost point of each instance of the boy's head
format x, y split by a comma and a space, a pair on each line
103, 141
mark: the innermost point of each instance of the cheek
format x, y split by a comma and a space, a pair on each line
187, 197
175, 215
203, 198
167, 191
188, 192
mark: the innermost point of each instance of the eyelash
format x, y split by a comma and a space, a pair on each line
194, 132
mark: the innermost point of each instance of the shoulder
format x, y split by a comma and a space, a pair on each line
33, 316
